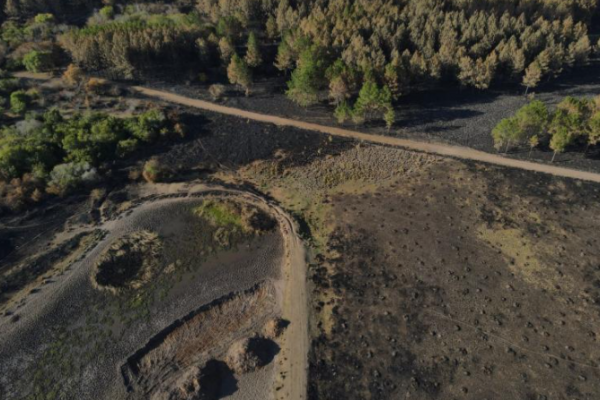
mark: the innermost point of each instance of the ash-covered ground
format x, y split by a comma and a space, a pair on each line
68, 338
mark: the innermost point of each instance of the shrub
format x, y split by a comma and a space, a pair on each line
73, 75
154, 171
97, 86
19, 101
67, 177
216, 91
38, 61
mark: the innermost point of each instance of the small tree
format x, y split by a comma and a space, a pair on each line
338, 90
390, 118
534, 142
19, 101
561, 138
533, 76
154, 171
239, 73
216, 91
343, 112
73, 75
504, 133
285, 56
226, 49
253, 55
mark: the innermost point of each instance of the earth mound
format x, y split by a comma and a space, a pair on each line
128, 263
248, 355
205, 383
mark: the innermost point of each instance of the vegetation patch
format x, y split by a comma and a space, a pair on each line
128, 263
233, 219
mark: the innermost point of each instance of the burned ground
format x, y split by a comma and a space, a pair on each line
460, 282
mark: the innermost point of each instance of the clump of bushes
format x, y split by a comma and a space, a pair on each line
57, 155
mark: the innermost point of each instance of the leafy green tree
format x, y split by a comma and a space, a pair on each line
239, 73
253, 55
107, 12
389, 118
303, 88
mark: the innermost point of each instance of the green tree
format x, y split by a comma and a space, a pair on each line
389, 118
372, 102
505, 132
343, 112
561, 138
594, 130
285, 56
533, 76
19, 101
534, 141
532, 119
239, 73
303, 88
253, 56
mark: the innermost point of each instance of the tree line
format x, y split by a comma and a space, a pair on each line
575, 122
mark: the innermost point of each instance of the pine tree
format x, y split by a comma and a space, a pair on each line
533, 76
285, 56
253, 55
226, 49
303, 88
239, 73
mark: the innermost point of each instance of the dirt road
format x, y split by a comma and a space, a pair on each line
431, 148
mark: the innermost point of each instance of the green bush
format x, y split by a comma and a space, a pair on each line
38, 61
19, 101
